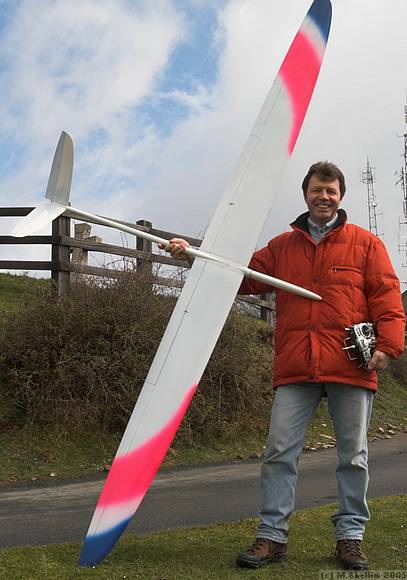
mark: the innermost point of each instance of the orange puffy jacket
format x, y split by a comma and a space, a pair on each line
351, 270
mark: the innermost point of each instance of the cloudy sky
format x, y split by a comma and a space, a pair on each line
159, 96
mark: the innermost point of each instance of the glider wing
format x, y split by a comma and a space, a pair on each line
208, 294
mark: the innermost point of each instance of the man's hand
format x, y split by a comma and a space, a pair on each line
379, 361
176, 249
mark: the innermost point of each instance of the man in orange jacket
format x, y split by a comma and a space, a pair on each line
350, 268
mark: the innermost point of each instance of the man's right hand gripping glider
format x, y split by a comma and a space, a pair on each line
350, 268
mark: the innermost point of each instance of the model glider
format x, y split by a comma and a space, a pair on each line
57, 200
200, 312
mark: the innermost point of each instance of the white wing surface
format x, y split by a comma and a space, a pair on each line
209, 292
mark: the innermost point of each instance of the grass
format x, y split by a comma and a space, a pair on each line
209, 552
32, 454
389, 410
16, 290
36, 455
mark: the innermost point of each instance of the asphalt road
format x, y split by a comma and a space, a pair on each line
38, 514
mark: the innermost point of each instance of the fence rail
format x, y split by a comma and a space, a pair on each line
69, 255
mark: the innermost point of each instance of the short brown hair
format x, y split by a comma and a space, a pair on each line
326, 171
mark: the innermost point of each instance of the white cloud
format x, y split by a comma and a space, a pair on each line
114, 56
356, 111
82, 66
83, 62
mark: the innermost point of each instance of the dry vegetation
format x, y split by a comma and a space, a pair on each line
74, 369
78, 364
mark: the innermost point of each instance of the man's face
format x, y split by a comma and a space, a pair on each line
323, 199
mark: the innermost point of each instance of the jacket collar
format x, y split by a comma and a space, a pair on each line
301, 223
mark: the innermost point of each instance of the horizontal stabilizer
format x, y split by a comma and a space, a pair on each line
41, 216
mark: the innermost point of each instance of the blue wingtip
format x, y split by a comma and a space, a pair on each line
321, 14
98, 546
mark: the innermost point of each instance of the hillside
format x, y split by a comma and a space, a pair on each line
65, 400
17, 289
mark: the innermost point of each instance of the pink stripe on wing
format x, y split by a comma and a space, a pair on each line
131, 474
299, 73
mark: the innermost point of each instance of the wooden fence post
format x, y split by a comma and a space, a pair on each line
267, 314
144, 267
60, 256
66, 268
80, 256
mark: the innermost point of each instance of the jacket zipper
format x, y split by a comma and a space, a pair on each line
351, 268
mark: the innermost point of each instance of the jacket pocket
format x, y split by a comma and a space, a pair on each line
343, 268
351, 281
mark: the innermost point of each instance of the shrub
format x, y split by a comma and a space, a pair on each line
78, 364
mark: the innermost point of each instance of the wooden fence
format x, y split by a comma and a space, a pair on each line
69, 255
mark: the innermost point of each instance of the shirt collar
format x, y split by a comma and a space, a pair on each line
324, 227
301, 222
318, 231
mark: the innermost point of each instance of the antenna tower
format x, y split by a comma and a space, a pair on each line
402, 179
369, 178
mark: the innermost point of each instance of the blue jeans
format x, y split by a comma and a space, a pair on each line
350, 408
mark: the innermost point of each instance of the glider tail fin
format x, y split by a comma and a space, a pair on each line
60, 178
57, 194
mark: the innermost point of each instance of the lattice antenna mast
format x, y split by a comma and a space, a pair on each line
402, 174
369, 178
404, 168
402, 179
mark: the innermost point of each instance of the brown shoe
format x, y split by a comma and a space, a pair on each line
350, 555
262, 552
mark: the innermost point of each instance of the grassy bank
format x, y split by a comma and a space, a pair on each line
32, 454
210, 551
16, 290
71, 372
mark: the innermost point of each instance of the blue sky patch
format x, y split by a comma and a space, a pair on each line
193, 64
